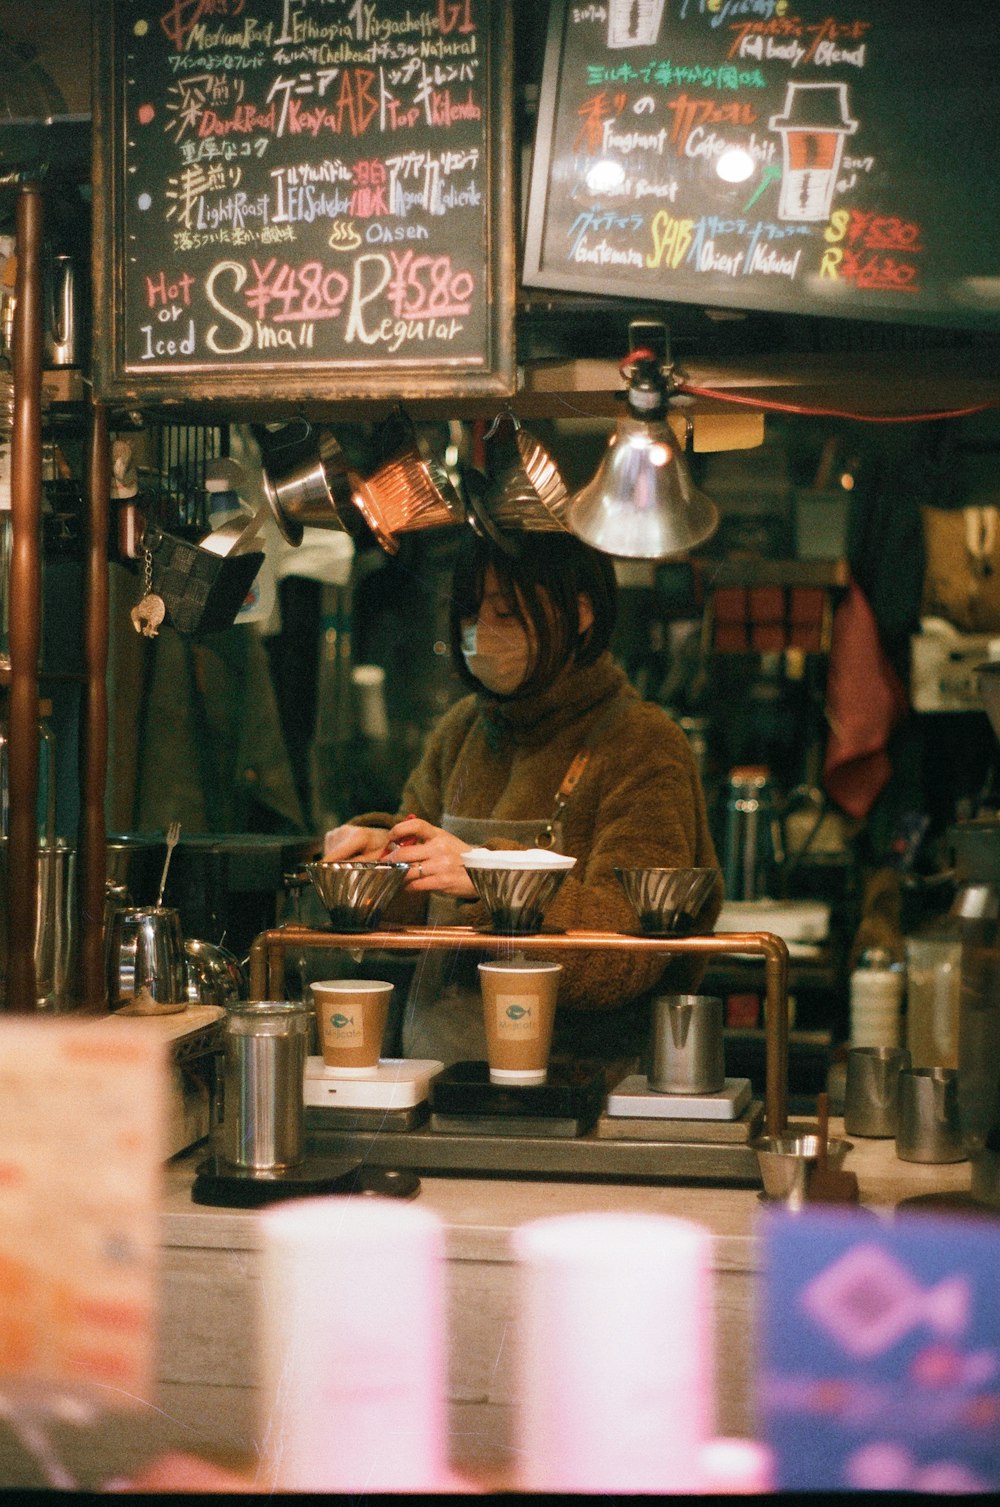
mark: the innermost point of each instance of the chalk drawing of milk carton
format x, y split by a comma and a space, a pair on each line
813, 125
634, 23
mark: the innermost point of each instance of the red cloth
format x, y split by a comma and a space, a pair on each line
865, 701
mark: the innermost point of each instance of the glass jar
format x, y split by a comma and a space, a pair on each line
46, 803
876, 1000
933, 993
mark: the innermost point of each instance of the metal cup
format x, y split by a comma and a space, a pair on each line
928, 1129
871, 1092
688, 1053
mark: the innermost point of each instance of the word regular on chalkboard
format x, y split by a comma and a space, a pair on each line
801, 156
304, 199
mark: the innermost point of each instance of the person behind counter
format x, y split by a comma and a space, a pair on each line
529, 636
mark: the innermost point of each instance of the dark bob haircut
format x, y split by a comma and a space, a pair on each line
542, 581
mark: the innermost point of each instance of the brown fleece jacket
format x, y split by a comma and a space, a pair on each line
638, 803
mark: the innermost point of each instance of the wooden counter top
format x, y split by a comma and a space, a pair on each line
207, 1402
481, 1212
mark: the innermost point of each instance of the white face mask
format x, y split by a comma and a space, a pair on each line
497, 657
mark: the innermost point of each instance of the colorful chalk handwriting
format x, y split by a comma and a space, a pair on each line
812, 157
305, 184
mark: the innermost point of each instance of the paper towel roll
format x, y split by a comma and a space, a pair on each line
615, 1353
353, 1391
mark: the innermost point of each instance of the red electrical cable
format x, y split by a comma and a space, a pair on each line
833, 413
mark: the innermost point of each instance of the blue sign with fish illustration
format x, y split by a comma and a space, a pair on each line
879, 1352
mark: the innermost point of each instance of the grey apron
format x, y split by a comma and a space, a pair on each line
443, 1018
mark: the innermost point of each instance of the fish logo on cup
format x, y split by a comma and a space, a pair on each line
516, 1016
348, 1027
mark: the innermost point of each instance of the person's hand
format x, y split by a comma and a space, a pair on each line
435, 859
354, 842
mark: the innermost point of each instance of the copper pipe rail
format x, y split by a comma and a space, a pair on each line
25, 606
93, 992
267, 970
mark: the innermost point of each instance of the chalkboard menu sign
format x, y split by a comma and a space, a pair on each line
786, 155
304, 199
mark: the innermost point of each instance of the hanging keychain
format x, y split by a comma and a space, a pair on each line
148, 614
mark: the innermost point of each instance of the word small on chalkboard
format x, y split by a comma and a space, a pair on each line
305, 199
790, 155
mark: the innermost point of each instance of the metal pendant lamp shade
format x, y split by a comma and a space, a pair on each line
642, 503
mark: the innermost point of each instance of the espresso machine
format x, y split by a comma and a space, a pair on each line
976, 908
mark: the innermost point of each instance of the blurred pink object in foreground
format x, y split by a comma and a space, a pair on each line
615, 1360
735, 1466
353, 1347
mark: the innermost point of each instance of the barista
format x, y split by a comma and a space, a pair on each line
530, 629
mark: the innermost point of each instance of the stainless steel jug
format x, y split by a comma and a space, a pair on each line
146, 961
688, 1045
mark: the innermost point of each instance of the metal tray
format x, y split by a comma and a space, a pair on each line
534, 1156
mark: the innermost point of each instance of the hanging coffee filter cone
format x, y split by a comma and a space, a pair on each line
368, 504
411, 489
313, 489
526, 490
402, 497
480, 517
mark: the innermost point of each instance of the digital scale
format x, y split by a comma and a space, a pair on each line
391, 1096
635, 1112
220, 1183
463, 1099
634, 1097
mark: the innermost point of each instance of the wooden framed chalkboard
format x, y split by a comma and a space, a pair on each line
808, 157
303, 199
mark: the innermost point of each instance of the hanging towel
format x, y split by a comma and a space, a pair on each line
865, 701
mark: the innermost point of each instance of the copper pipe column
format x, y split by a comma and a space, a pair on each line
25, 603
94, 721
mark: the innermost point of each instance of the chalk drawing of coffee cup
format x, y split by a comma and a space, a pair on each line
813, 125
634, 23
